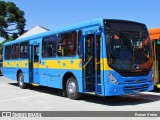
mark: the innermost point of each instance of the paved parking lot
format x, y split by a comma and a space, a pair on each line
13, 98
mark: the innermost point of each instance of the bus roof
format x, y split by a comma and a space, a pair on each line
60, 30
154, 33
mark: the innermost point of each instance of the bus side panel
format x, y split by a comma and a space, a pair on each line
43, 79
51, 77
54, 77
54, 82
36, 77
9, 73
11, 68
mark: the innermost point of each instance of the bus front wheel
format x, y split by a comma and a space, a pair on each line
72, 89
21, 81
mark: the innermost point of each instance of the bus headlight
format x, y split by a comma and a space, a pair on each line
112, 79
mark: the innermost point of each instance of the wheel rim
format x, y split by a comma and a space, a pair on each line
71, 87
21, 80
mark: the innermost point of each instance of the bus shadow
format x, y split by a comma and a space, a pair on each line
108, 101
42, 89
122, 100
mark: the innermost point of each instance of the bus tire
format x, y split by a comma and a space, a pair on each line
72, 89
21, 82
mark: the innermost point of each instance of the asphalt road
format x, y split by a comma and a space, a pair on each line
13, 98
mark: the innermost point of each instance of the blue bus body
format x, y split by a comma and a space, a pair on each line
54, 71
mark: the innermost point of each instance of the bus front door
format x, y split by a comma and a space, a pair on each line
34, 64
91, 64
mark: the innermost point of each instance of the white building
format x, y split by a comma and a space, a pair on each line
33, 31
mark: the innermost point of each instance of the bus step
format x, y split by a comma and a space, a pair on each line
35, 84
91, 93
158, 85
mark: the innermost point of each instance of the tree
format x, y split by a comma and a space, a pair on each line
12, 20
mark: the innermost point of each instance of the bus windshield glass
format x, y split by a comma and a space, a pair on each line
128, 46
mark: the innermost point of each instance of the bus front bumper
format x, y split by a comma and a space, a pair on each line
125, 89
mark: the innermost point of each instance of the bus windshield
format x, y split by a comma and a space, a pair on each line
128, 46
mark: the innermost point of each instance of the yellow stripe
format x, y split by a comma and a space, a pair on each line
36, 65
105, 64
62, 64
74, 64
13, 64
35, 84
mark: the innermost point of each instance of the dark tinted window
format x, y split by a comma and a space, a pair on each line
7, 52
24, 50
15, 51
49, 46
67, 44
36, 53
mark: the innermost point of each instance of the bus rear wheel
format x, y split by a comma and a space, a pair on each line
21, 81
72, 89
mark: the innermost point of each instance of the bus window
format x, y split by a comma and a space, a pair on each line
7, 52
24, 50
15, 51
49, 45
36, 53
67, 44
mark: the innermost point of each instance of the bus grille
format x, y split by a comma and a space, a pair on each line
135, 89
135, 81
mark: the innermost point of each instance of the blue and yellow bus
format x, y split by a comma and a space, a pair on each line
104, 57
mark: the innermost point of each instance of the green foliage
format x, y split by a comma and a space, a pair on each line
12, 20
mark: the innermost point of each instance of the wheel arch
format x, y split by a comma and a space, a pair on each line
19, 71
65, 78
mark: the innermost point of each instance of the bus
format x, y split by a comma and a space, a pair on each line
103, 57
155, 38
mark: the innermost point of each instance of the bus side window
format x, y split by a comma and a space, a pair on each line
44, 43
48, 46
15, 51
24, 50
73, 44
36, 53
8, 52
67, 44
